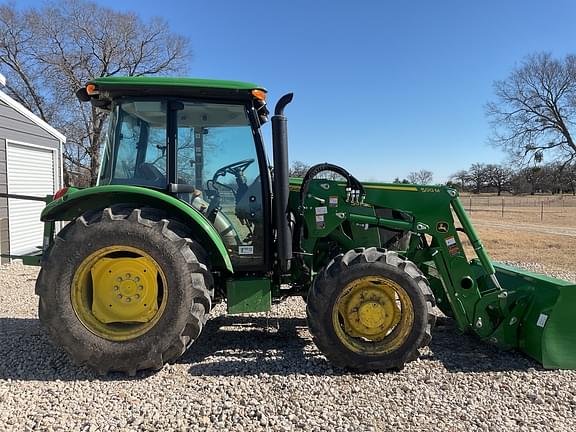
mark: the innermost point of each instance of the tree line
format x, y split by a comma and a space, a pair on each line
551, 178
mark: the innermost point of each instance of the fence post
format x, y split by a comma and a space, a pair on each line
541, 211
470, 206
502, 208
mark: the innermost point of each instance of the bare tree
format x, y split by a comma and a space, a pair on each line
557, 178
50, 51
569, 178
478, 177
461, 178
421, 177
535, 176
498, 177
298, 169
535, 110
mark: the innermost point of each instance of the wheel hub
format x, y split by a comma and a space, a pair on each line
124, 290
372, 315
369, 309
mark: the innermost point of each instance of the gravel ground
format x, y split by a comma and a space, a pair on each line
263, 372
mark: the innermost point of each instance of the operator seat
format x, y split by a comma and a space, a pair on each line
151, 175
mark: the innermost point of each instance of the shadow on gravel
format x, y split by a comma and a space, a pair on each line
241, 346
466, 353
244, 346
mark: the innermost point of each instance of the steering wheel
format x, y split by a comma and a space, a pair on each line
236, 168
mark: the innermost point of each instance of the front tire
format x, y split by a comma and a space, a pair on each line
124, 289
370, 310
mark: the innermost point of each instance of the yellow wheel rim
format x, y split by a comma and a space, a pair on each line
119, 293
373, 315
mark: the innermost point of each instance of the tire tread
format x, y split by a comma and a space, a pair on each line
197, 267
323, 286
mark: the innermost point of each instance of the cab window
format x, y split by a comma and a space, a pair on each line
217, 154
137, 153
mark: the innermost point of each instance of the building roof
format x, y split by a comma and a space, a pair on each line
31, 116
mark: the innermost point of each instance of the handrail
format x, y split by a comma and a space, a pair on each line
23, 197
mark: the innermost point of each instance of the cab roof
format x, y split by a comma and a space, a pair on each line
101, 91
173, 81
144, 81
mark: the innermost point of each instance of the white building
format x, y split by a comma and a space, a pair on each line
30, 164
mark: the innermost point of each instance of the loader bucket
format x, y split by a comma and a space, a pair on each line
547, 331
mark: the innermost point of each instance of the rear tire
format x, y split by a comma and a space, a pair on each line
128, 347
370, 310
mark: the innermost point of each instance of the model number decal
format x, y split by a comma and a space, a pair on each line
542, 320
430, 189
245, 250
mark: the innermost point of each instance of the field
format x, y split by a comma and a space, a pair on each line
539, 230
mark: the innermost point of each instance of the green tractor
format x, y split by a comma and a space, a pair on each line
188, 213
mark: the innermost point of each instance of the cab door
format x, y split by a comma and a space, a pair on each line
216, 152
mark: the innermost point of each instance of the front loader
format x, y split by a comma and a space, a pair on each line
187, 213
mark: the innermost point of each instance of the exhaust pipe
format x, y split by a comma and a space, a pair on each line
280, 189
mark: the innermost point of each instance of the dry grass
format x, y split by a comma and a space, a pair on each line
525, 233
554, 251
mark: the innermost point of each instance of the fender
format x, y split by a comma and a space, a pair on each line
77, 201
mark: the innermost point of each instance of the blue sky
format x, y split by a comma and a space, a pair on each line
382, 88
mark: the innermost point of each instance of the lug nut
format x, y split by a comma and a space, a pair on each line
119, 279
128, 275
116, 287
136, 279
119, 296
128, 299
137, 296
140, 287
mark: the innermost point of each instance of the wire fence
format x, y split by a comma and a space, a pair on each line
533, 207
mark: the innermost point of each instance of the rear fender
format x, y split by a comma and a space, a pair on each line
77, 201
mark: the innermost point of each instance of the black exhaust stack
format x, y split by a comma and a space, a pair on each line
281, 191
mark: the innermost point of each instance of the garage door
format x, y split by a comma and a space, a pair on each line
30, 172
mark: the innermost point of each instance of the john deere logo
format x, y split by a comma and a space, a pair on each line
442, 227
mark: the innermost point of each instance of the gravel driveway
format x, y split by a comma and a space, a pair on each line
264, 373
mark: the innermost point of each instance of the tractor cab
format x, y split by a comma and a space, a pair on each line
206, 151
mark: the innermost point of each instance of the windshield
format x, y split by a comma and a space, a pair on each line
209, 136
